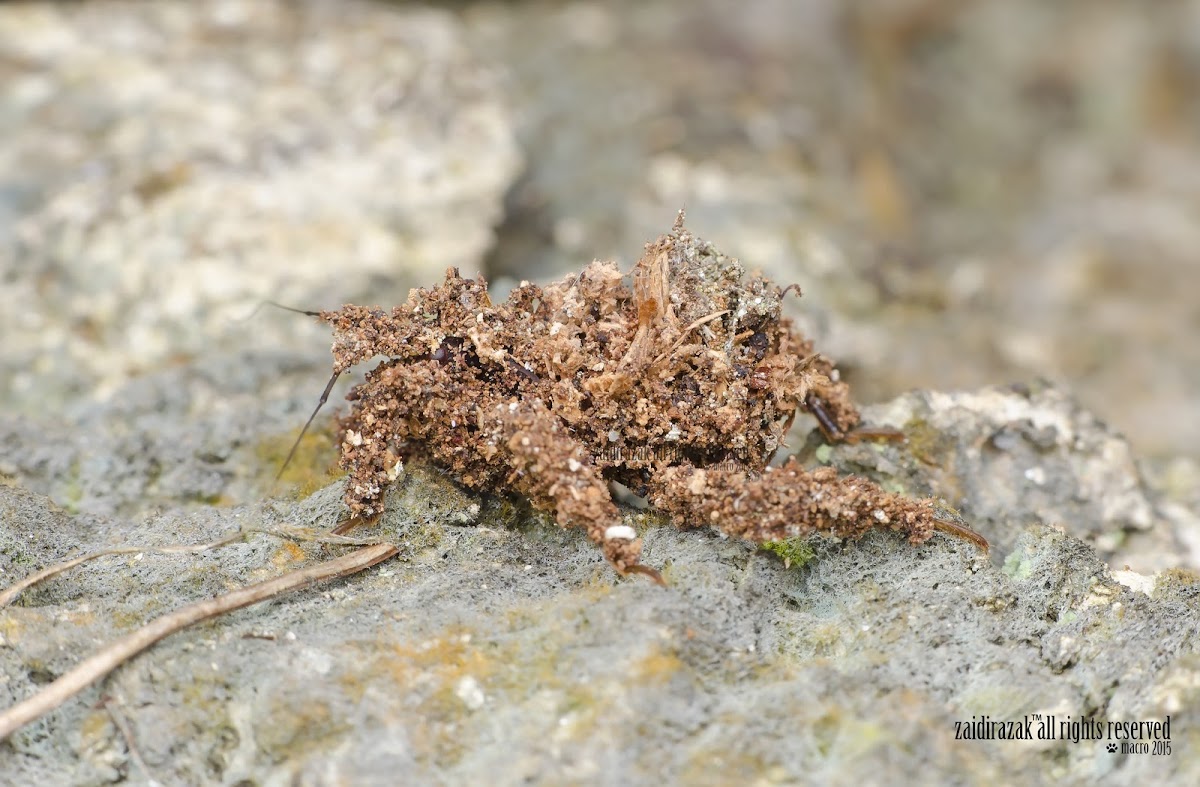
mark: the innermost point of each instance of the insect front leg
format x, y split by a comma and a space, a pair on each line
375, 435
837, 417
555, 471
834, 432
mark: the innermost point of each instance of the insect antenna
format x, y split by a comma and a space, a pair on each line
263, 303
308, 423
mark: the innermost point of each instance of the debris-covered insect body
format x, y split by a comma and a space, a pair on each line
680, 385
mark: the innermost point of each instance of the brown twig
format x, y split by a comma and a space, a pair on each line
118, 719
293, 533
10, 594
116, 653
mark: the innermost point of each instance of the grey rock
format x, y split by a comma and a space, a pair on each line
966, 195
193, 436
1010, 457
164, 167
500, 648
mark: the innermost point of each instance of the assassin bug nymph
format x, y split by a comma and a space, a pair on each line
679, 382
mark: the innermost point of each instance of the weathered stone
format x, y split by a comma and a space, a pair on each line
498, 648
501, 653
1010, 457
164, 167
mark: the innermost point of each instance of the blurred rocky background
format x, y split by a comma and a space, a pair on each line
996, 202
968, 192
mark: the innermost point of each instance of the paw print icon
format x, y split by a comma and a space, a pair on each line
1112, 748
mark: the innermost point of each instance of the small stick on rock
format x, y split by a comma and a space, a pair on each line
111, 704
107, 659
10, 594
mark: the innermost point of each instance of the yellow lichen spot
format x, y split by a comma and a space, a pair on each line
313, 466
288, 554
1180, 576
826, 639
11, 627
96, 728
657, 667
448, 676
298, 725
927, 443
78, 617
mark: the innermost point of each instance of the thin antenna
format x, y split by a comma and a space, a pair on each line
263, 303
320, 404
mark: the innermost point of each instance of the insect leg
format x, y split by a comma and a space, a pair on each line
555, 471
789, 501
321, 403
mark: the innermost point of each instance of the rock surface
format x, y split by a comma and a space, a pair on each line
498, 644
498, 648
966, 192
1007, 458
165, 167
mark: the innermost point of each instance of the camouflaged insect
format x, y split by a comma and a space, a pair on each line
679, 382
